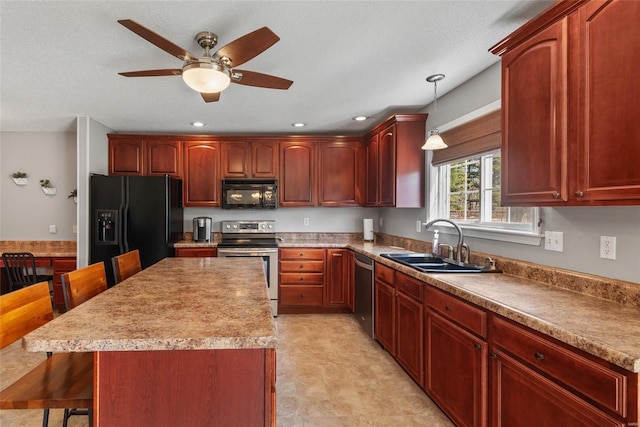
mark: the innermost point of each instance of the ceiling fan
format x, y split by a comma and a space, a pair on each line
210, 73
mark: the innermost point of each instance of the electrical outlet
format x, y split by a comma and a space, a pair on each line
75, 228
419, 226
553, 241
305, 221
608, 247
53, 229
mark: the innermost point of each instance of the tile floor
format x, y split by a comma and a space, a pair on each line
330, 374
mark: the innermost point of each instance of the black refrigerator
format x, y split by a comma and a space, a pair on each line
134, 212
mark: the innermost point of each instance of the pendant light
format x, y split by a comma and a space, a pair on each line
434, 141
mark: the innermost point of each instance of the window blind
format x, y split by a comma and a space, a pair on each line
478, 136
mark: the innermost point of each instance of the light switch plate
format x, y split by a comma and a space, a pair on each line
553, 241
53, 229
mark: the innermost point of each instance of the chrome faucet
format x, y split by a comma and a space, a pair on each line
427, 225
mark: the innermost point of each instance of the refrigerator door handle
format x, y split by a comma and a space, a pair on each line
125, 227
120, 226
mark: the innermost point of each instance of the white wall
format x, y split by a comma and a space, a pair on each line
25, 211
582, 226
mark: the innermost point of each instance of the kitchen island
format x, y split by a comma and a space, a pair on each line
187, 341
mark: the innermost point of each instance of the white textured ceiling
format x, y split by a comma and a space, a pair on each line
60, 59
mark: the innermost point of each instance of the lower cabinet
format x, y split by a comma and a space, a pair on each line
315, 280
196, 252
399, 318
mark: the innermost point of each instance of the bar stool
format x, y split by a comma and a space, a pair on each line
83, 284
126, 265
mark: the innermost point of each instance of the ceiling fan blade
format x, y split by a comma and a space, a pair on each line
153, 73
248, 46
210, 97
251, 78
157, 40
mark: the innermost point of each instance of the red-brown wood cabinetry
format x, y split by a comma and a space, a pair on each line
201, 185
196, 252
395, 162
569, 90
250, 159
339, 174
145, 155
337, 284
297, 184
126, 155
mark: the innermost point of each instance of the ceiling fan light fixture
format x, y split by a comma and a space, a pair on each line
206, 76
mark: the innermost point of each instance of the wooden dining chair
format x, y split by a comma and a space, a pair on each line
63, 380
21, 270
83, 284
126, 265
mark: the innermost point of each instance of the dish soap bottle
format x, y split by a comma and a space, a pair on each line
435, 242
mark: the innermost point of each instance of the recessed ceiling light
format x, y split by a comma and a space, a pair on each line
360, 118
298, 125
197, 124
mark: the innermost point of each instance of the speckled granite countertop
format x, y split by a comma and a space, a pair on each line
176, 304
598, 326
41, 248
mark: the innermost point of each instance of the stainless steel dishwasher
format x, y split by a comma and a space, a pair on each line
364, 294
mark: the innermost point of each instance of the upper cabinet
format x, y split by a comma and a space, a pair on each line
569, 90
339, 174
144, 155
250, 159
201, 186
297, 184
395, 162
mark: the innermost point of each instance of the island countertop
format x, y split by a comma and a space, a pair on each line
176, 304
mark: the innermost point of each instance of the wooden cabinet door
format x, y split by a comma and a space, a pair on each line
338, 169
202, 174
297, 186
264, 159
371, 172
236, 159
608, 141
163, 157
534, 120
385, 316
409, 336
126, 156
387, 167
523, 398
337, 278
456, 372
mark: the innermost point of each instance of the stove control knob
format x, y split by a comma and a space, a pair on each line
228, 226
270, 226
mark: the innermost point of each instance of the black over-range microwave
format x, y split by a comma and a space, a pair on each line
249, 194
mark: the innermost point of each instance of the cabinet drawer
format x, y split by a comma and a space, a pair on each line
301, 295
302, 278
302, 253
466, 315
384, 273
408, 285
302, 265
599, 383
196, 252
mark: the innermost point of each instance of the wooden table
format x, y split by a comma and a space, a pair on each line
187, 341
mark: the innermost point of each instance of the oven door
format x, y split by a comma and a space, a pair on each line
270, 263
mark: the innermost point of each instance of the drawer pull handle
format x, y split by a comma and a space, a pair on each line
538, 356
406, 285
301, 254
447, 307
301, 265
477, 346
579, 193
301, 278
555, 195
301, 295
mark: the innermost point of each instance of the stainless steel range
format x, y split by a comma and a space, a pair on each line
254, 239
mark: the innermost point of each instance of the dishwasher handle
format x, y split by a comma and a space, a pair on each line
366, 265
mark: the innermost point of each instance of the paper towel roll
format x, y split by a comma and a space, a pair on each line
368, 229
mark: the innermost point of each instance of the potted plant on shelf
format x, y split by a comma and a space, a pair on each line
47, 187
20, 178
73, 195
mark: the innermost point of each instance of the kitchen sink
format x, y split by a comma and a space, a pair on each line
428, 263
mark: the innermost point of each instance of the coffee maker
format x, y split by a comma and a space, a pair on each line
202, 229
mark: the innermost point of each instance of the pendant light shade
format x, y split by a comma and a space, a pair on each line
434, 141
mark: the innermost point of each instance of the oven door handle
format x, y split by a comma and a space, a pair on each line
240, 252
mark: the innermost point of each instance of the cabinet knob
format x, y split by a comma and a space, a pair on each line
301, 265
301, 254
579, 193
301, 278
555, 195
406, 285
447, 307
538, 355
477, 346
493, 355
